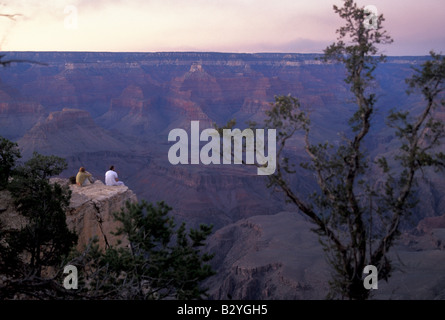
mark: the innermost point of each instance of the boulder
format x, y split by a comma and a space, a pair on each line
90, 213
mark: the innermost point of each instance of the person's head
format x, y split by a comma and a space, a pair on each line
111, 167
82, 169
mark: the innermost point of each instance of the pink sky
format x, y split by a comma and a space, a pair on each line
208, 25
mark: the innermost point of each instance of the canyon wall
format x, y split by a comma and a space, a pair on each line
277, 257
99, 109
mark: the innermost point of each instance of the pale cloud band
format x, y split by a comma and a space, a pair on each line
208, 25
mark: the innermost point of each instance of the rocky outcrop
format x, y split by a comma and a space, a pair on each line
278, 257
418, 259
91, 210
268, 257
89, 213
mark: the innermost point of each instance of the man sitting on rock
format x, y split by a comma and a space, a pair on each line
111, 178
83, 176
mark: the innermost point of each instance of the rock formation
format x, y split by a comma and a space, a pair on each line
268, 257
70, 131
89, 213
91, 210
278, 257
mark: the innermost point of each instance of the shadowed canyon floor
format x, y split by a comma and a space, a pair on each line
278, 257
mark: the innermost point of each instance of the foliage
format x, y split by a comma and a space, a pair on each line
158, 260
9, 153
356, 219
45, 237
162, 260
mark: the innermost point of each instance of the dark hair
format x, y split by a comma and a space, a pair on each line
111, 167
82, 169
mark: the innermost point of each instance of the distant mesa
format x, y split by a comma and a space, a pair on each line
68, 117
196, 67
66, 132
197, 72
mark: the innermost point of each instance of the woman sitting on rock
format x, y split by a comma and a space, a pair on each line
83, 176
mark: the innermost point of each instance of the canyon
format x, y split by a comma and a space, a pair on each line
97, 109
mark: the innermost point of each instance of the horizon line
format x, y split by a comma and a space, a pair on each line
186, 51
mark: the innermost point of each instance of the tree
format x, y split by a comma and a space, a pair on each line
356, 219
160, 261
9, 153
45, 239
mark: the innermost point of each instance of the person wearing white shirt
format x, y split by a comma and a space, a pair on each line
111, 178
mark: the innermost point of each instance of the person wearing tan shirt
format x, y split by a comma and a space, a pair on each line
83, 176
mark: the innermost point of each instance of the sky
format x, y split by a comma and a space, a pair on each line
239, 26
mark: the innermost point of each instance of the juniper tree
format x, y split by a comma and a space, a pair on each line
9, 154
356, 219
45, 239
155, 260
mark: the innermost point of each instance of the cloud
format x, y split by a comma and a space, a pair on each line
215, 25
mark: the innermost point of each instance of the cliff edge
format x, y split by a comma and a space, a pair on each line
89, 213
91, 209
